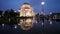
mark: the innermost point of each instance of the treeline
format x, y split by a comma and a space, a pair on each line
9, 17
42, 17
53, 16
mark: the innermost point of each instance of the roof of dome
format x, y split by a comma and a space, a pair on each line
26, 3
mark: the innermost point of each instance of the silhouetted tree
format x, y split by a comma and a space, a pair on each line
1, 12
6, 16
11, 17
1, 16
37, 16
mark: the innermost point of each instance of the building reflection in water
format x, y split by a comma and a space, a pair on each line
50, 21
26, 24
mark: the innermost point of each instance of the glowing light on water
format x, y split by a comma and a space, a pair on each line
42, 23
2, 24
50, 22
15, 26
36, 22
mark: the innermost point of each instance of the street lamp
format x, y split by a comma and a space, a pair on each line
42, 3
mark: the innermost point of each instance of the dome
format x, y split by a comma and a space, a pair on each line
26, 3
26, 10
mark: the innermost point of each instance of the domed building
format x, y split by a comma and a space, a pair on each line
26, 10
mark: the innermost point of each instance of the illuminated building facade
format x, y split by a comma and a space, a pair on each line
26, 10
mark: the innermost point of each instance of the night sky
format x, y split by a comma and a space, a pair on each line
50, 5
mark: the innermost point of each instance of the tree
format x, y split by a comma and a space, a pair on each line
11, 17
1, 16
37, 16
1, 12
6, 16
